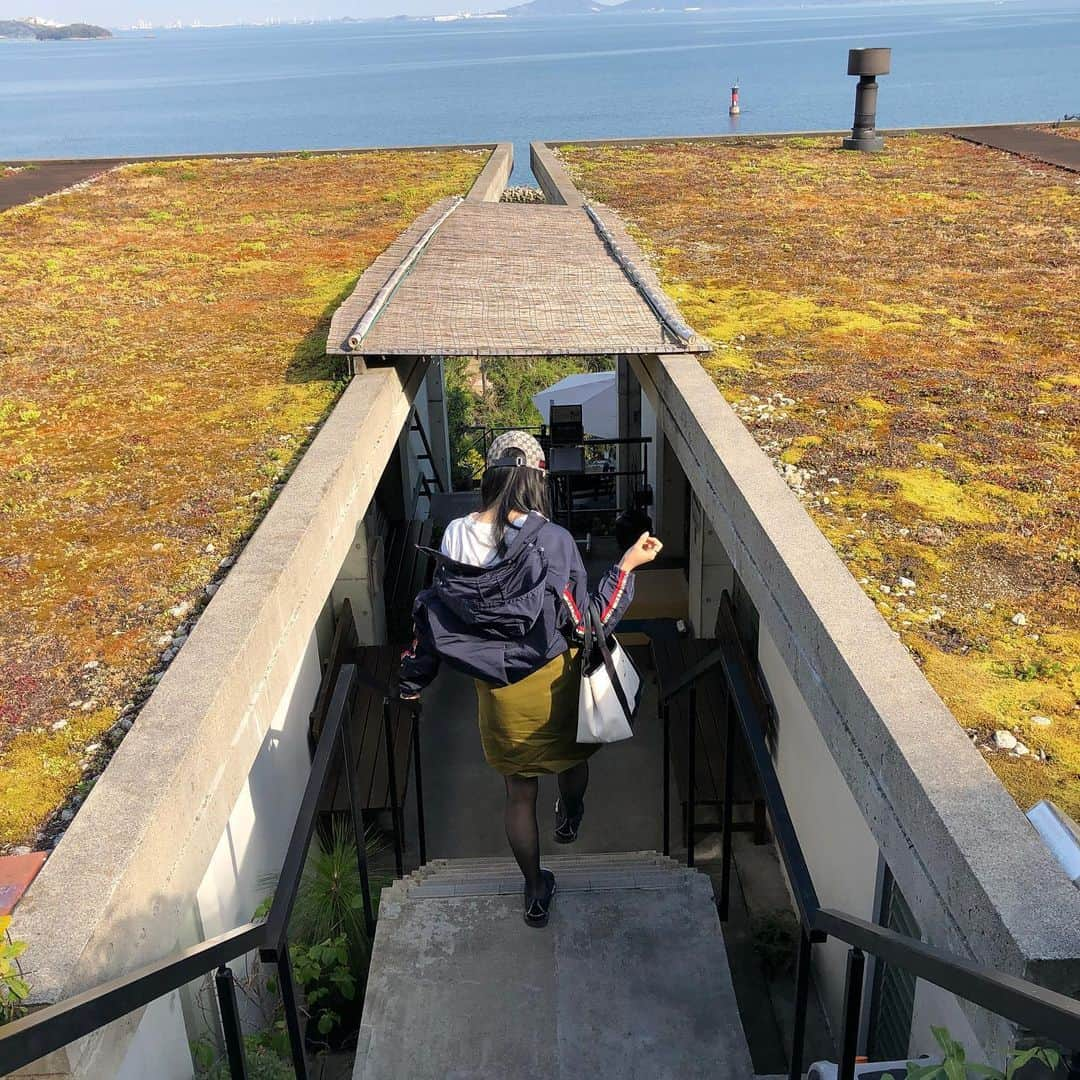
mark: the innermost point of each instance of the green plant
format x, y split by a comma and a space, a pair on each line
263, 1063
775, 935
330, 947
13, 987
329, 902
324, 972
955, 1065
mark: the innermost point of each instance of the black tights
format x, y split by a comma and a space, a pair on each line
521, 828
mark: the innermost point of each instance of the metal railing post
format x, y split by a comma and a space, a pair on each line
853, 989
292, 1011
724, 906
357, 815
230, 1022
691, 764
420, 830
391, 768
802, 1000
665, 716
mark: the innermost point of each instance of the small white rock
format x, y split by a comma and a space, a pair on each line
1021, 750
157, 547
92, 748
907, 583
91, 664
1041, 721
180, 610
1019, 619
210, 549
887, 590
1004, 740
228, 561
89, 706
59, 725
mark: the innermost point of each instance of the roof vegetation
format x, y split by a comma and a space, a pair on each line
901, 333
162, 334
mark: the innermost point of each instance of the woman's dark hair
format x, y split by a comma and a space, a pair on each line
506, 488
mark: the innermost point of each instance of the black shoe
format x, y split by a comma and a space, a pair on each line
566, 828
537, 911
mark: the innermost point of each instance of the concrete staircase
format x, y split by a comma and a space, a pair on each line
629, 979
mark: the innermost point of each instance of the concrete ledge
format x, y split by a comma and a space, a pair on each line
119, 890
491, 183
553, 179
195, 155
965, 856
645, 140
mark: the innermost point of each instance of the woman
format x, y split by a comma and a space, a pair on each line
506, 607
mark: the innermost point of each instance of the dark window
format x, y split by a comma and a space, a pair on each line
894, 988
747, 623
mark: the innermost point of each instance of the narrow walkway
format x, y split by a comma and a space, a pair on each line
463, 795
1026, 142
628, 981
505, 279
35, 181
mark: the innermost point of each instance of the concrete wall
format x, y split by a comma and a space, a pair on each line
119, 890
961, 851
840, 850
254, 841
361, 581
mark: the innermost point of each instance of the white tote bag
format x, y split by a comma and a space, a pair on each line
610, 686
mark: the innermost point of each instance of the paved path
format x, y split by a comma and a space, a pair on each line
505, 279
628, 981
1026, 142
463, 795
34, 182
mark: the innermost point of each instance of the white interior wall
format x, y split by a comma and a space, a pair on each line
840, 851
935, 1007
254, 843
159, 1048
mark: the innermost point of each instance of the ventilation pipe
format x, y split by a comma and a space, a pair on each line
867, 64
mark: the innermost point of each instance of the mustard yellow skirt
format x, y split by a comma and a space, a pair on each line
530, 727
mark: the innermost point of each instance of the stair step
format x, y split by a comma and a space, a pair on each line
513, 874
554, 858
568, 881
629, 979
509, 866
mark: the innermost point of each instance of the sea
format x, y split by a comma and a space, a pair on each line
585, 76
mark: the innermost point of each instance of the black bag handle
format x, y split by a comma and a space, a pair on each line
597, 633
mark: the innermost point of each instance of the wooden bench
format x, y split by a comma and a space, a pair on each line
674, 655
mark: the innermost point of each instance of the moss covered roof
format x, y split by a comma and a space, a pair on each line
901, 333
162, 367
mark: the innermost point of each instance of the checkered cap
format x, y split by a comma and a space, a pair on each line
516, 448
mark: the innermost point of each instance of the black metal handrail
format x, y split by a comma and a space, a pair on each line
1034, 1007
48, 1029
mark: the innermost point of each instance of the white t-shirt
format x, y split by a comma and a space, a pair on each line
469, 541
